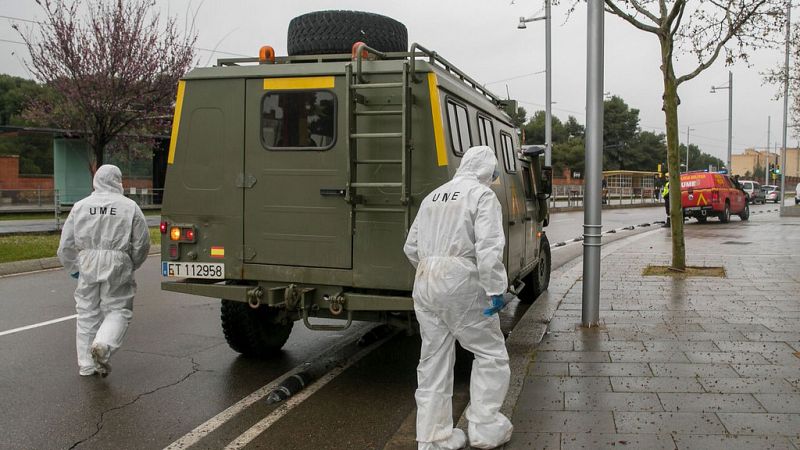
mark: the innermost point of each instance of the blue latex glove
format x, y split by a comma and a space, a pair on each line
498, 303
75, 275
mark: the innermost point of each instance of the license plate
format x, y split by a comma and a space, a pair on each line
693, 208
214, 271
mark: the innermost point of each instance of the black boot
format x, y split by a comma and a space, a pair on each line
666, 224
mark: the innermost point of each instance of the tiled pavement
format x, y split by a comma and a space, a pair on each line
698, 363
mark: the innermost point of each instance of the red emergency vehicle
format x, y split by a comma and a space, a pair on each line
705, 194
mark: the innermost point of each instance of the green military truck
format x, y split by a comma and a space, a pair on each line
292, 181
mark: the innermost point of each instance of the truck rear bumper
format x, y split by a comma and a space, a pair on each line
275, 295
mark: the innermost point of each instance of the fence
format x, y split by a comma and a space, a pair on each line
47, 200
572, 195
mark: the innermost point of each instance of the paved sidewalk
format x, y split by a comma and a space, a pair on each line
698, 363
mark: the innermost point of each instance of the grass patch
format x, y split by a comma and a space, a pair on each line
691, 271
20, 247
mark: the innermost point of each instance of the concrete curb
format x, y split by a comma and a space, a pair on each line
34, 265
30, 265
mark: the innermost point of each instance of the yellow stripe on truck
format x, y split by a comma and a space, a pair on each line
436, 112
176, 121
284, 84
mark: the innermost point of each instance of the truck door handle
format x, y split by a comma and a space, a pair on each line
512, 222
332, 192
527, 219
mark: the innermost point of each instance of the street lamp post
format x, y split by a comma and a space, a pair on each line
592, 218
548, 113
688, 129
785, 103
729, 87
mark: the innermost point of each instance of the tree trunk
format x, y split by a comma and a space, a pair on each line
673, 156
98, 145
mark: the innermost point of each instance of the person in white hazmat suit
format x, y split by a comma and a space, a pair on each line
104, 240
456, 244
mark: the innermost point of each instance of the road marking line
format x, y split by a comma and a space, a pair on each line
220, 419
254, 431
37, 325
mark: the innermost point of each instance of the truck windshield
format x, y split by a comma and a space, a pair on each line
298, 120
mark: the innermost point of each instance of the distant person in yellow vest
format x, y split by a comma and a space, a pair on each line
665, 196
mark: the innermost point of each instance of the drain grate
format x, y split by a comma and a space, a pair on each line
737, 242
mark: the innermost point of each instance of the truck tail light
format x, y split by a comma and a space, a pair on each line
175, 234
164, 226
715, 196
173, 251
188, 234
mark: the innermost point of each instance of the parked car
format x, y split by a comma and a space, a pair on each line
753, 190
771, 193
705, 194
797, 194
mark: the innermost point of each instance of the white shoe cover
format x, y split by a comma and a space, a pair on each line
100, 356
456, 441
490, 435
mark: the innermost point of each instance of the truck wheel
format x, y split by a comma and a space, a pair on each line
746, 213
701, 219
253, 332
725, 217
330, 32
537, 281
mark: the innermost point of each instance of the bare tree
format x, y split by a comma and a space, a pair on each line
115, 70
776, 76
707, 29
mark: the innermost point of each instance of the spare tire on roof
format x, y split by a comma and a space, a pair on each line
327, 32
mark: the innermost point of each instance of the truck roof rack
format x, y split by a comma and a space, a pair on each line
416, 51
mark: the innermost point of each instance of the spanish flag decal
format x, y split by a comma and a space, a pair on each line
217, 252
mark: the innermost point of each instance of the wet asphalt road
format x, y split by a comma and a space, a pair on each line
175, 370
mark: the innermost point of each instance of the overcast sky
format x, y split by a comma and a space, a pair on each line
481, 38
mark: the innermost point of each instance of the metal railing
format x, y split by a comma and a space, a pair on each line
45, 200
572, 196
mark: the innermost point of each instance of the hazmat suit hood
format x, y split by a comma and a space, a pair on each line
108, 179
478, 162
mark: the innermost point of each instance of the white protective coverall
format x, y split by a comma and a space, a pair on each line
105, 238
456, 244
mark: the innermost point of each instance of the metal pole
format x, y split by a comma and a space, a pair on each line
592, 218
548, 126
785, 101
730, 119
766, 162
687, 147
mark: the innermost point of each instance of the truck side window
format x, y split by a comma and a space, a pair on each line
527, 182
298, 120
486, 132
459, 127
509, 158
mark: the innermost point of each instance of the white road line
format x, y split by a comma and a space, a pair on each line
220, 419
37, 325
254, 431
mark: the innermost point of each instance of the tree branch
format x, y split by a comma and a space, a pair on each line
642, 10
630, 19
733, 29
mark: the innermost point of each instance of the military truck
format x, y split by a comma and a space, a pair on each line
292, 181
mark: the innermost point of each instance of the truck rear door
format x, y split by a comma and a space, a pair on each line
296, 167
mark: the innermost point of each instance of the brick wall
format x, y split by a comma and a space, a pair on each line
11, 179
